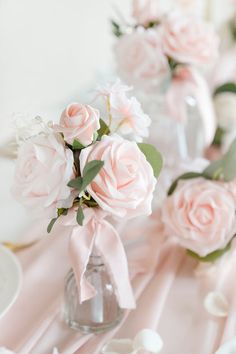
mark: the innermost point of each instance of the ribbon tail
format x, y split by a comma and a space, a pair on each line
203, 97
108, 243
80, 247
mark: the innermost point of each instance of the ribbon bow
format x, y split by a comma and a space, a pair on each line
99, 233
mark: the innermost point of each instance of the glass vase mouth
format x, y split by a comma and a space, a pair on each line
95, 260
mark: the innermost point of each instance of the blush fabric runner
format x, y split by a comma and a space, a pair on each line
169, 288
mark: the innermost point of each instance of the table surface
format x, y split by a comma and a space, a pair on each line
169, 288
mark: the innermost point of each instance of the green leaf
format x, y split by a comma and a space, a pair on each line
80, 216
172, 64
60, 211
77, 145
224, 168
90, 171
211, 257
51, 224
116, 29
217, 141
153, 157
76, 183
187, 175
103, 130
228, 87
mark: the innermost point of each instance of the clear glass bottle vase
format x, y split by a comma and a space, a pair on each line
176, 141
98, 314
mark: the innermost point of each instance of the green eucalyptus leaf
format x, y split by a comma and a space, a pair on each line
62, 211
219, 134
76, 183
90, 171
51, 224
228, 87
80, 216
211, 257
153, 157
103, 130
224, 168
187, 175
116, 29
77, 145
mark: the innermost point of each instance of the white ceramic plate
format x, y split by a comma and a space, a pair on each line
10, 279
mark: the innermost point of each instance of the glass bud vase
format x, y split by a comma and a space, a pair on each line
98, 314
177, 142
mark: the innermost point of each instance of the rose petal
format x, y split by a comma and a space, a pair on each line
148, 340
228, 347
216, 304
118, 346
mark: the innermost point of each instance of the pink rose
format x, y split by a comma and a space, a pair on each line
79, 122
200, 214
140, 58
124, 187
189, 40
146, 11
43, 169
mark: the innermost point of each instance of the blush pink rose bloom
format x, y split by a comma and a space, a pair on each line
200, 214
79, 122
43, 169
124, 187
140, 58
189, 40
146, 11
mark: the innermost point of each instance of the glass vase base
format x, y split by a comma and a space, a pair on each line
94, 328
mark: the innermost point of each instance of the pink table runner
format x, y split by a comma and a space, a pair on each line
168, 292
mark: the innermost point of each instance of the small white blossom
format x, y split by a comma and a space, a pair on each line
145, 340
216, 304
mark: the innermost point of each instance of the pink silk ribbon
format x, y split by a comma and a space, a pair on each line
187, 81
99, 233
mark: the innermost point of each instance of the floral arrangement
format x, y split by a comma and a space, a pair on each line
164, 53
199, 211
157, 43
84, 170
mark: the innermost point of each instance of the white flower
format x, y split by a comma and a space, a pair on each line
113, 88
146, 340
129, 118
216, 304
225, 106
228, 347
126, 115
27, 128
55, 351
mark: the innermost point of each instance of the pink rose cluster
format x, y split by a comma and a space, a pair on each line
143, 53
200, 215
82, 162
